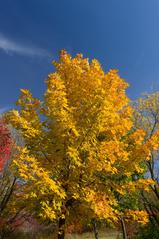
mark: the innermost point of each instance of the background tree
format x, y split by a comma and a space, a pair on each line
7, 180
147, 116
11, 203
5, 154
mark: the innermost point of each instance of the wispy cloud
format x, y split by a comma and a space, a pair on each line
11, 47
4, 109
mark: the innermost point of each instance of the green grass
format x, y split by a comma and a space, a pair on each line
105, 234
102, 235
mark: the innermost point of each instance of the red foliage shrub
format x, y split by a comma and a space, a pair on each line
5, 144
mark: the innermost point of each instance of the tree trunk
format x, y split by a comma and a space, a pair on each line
95, 229
61, 228
123, 228
62, 219
7, 196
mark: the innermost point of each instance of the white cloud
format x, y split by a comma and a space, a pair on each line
12, 47
4, 109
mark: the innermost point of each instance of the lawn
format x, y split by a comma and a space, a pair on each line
109, 234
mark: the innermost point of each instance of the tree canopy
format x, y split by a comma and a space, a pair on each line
80, 147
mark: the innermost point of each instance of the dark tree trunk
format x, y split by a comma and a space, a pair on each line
7, 196
61, 228
95, 229
62, 219
123, 228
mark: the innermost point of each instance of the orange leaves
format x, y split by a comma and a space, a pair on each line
138, 136
137, 215
136, 185
102, 205
153, 142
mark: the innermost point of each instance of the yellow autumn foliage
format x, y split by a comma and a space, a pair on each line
78, 141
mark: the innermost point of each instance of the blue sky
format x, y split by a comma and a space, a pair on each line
122, 34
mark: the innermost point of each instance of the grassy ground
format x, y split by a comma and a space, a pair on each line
102, 235
106, 234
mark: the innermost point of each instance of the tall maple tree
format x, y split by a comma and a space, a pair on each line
80, 148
